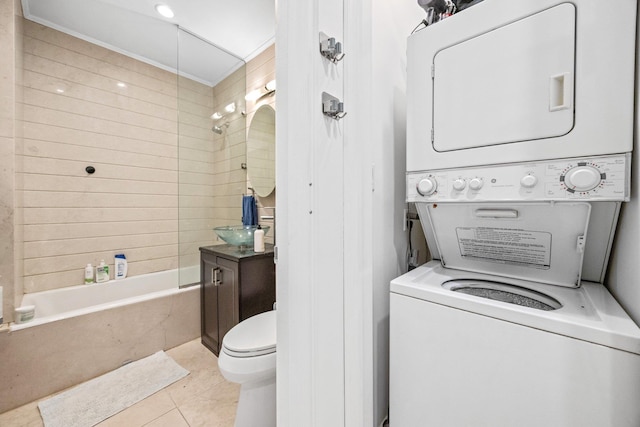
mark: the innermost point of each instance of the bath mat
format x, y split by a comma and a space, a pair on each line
100, 398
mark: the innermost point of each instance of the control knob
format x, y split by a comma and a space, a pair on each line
427, 186
476, 183
459, 184
529, 181
582, 178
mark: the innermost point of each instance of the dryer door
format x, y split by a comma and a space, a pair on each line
511, 84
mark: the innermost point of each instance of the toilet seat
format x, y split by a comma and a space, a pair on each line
255, 336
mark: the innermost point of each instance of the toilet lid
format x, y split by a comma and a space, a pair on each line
254, 336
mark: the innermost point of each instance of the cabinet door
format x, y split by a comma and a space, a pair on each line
227, 296
258, 285
209, 301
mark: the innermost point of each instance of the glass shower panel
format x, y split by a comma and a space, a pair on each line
98, 159
211, 147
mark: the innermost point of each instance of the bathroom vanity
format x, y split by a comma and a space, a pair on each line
234, 286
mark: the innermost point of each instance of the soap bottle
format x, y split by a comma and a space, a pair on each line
88, 274
258, 240
120, 266
102, 272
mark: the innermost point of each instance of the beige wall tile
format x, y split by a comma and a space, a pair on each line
76, 116
10, 67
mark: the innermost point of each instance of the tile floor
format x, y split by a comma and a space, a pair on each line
201, 399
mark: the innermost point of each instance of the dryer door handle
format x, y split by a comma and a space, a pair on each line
560, 92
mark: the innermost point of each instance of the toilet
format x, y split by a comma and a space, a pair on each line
248, 357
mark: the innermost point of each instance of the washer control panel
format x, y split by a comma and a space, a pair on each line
588, 178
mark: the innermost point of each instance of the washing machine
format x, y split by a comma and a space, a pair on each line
510, 324
480, 350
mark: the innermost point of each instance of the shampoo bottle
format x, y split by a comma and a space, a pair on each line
258, 240
120, 266
88, 274
102, 272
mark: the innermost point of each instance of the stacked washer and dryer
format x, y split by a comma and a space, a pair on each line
520, 131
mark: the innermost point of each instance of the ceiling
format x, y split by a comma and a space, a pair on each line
238, 30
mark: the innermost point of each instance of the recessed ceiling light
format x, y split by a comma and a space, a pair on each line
165, 10
120, 84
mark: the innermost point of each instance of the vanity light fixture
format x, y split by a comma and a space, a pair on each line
230, 108
270, 86
268, 89
165, 10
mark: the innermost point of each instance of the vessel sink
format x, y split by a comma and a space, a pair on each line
239, 235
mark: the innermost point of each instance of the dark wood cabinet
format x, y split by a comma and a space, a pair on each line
234, 285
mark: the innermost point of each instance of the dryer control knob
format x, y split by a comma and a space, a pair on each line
476, 183
529, 181
582, 178
427, 186
459, 184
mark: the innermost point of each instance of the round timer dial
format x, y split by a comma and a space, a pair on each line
582, 178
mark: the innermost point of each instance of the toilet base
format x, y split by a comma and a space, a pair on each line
257, 404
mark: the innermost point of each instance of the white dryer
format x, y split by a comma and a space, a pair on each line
513, 81
479, 350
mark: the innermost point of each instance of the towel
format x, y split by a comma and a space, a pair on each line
249, 211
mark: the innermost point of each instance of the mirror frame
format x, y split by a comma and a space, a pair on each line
261, 156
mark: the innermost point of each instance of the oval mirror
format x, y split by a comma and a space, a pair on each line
261, 151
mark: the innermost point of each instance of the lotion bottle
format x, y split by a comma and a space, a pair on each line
120, 266
102, 272
258, 240
88, 274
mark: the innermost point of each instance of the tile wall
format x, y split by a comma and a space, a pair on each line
152, 195
10, 115
162, 180
86, 106
211, 179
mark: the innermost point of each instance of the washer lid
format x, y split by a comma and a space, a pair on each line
252, 337
541, 242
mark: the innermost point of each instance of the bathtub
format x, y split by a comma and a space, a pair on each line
76, 301
80, 332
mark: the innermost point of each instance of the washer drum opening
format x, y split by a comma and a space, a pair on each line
504, 292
